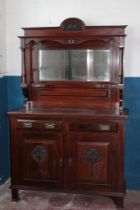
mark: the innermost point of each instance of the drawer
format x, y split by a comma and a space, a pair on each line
93, 127
40, 124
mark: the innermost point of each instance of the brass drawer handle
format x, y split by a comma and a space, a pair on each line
50, 125
27, 125
104, 127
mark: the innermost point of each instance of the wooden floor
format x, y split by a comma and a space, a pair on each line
34, 200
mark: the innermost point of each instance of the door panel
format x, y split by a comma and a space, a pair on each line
94, 165
41, 159
92, 161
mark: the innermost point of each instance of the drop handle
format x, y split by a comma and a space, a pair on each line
104, 127
27, 125
61, 162
49, 125
69, 162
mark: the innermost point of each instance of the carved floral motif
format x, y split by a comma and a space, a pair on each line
39, 154
92, 156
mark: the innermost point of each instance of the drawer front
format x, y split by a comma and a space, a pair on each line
40, 124
93, 127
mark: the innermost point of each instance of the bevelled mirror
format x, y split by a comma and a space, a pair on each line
74, 65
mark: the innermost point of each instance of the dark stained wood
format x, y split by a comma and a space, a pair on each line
70, 135
42, 153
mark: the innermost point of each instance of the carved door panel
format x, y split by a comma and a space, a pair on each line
93, 159
41, 159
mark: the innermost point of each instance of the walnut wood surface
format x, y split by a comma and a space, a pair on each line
70, 135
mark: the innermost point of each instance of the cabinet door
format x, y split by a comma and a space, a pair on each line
93, 162
41, 158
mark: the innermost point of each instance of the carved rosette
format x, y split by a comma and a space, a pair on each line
92, 156
39, 154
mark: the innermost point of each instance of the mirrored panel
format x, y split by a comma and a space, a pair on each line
51, 65
78, 65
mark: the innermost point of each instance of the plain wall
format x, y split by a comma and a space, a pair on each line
34, 13
2, 37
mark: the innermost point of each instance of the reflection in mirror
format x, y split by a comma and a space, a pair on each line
78, 65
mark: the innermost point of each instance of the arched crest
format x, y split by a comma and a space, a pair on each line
72, 24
